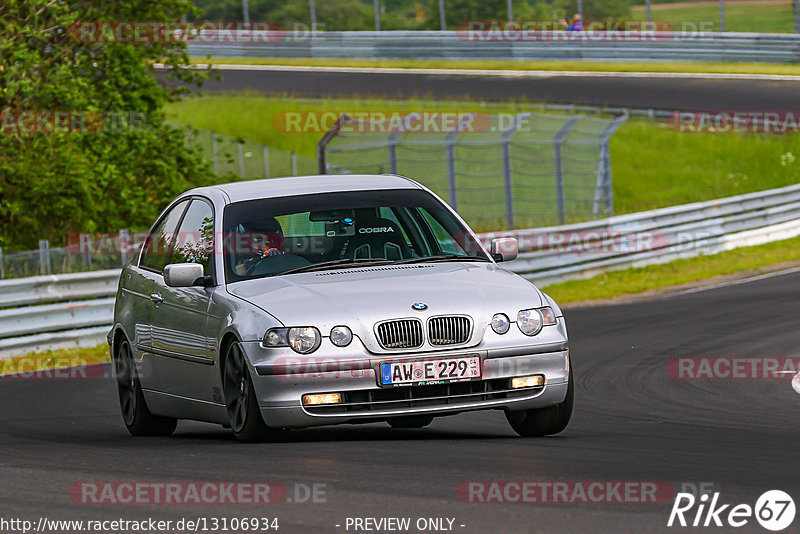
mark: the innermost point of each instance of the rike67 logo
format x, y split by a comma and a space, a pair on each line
774, 510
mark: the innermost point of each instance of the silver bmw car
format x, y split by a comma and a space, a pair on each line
293, 302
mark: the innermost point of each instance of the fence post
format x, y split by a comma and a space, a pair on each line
451, 169
649, 13
442, 21
2, 270
124, 244
294, 163
85, 248
240, 154
322, 144
266, 161
722, 15
189, 136
604, 191
558, 163
44, 256
796, 9
392, 148
214, 151
507, 183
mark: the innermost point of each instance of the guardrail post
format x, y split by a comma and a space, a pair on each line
214, 151
44, 256
508, 185
266, 161
240, 154
558, 164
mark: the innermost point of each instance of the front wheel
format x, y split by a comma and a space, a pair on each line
544, 421
137, 417
240, 400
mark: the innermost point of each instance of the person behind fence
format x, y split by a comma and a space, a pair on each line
576, 25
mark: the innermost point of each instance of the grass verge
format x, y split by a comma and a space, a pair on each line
580, 66
653, 166
765, 16
744, 261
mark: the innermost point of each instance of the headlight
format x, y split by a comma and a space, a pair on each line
341, 336
530, 322
500, 323
275, 337
303, 339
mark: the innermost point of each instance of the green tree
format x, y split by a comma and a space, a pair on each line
53, 184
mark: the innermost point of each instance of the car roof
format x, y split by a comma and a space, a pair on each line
308, 185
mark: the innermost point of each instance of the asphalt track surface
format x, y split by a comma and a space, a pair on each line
632, 422
679, 93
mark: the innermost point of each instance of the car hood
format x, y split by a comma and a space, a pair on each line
361, 297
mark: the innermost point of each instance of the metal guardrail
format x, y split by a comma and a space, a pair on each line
459, 45
46, 312
554, 254
56, 311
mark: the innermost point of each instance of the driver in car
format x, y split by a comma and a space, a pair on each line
258, 240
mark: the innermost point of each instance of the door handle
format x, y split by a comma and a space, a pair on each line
157, 298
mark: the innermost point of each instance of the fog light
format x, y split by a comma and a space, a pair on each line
322, 398
527, 381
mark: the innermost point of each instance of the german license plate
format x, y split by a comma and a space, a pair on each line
427, 372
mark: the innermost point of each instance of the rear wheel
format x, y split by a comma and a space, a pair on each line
240, 399
137, 417
544, 421
410, 421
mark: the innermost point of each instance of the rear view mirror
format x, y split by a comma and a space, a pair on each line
183, 274
504, 248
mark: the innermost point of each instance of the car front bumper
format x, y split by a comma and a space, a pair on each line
279, 386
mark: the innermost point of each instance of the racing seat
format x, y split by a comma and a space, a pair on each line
377, 238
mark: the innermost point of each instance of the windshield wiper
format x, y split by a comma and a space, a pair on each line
442, 258
346, 262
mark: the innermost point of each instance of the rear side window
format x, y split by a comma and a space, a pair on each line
159, 242
195, 242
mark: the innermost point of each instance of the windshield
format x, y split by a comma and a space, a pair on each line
267, 237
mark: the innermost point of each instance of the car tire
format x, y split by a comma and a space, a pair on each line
544, 421
240, 400
410, 421
135, 413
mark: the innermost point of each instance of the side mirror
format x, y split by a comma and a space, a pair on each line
183, 274
505, 248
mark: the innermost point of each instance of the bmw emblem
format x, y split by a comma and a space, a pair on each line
419, 306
